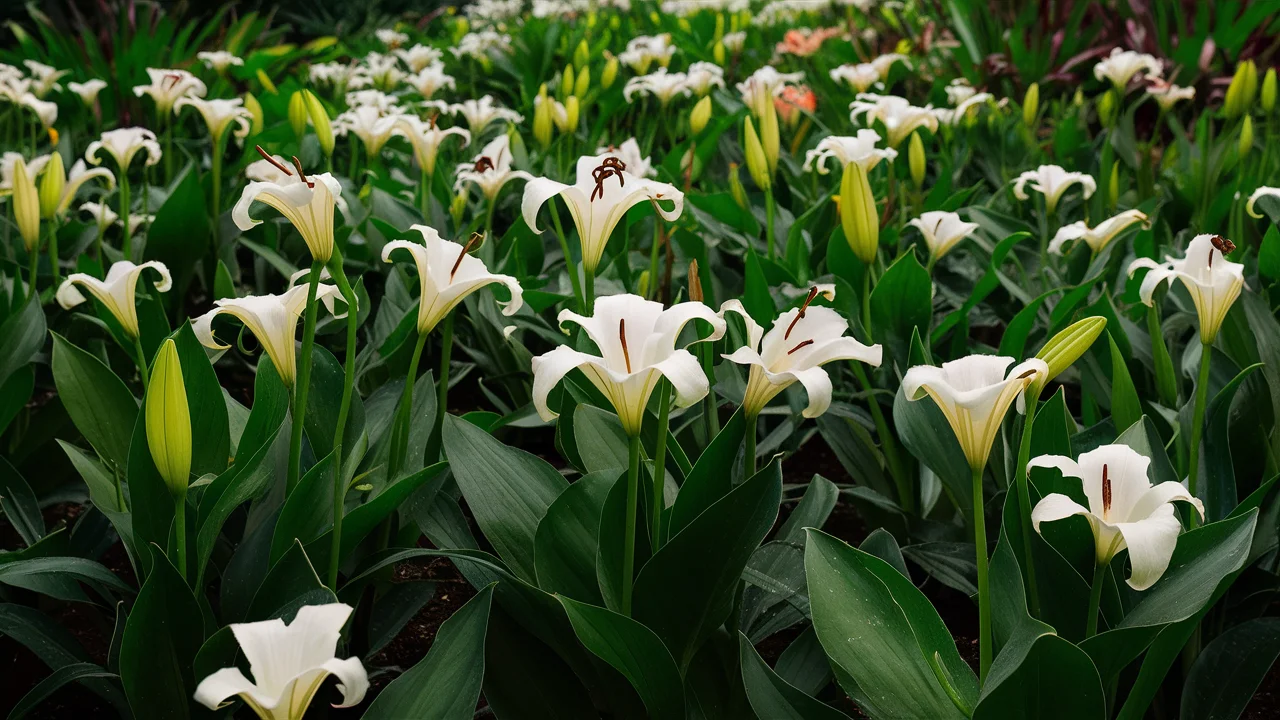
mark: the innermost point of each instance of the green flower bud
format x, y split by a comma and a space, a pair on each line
1065, 348
718, 52
757, 163
1107, 108
583, 83
298, 114
169, 420
719, 27
699, 116
255, 109
457, 207
1242, 91
566, 82
642, 285
1268, 97
52, 182
1031, 105
543, 119
610, 72
858, 214
1250, 84
770, 137
26, 206
735, 187
1078, 98
571, 111
582, 55
266, 83
320, 121
1246, 142
916, 160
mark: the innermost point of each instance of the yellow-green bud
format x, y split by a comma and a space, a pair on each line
566, 81
858, 214
1113, 186
1243, 89
610, 72
1078, 98
320, 121
718, 52
915, 158
1268, 97
571, 111
1065, 348
583, 83
1250, 84
169, 420
1031, 105
52, 182
699, 116
642, 285
457, 207
719, 27
757, 163
543, 119
1107, 108
770, 138
683, 24
582, 55
266, 83
1246, 143
735, 187
255, 111
615, 22
298, 114
26, 206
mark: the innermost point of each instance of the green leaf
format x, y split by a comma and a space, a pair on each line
181, 233
611, 540
161, 639
1217, 467
771, 696
323, 404
19, 504
734, 527
879, 630
98, 402
711, 477
209, 421
1014, 630
1126, 409
55, 647
755, 295
633, 650
508, 490
14, 394
928, 436
445, 684
88, 571
902, 302
525, 678
1056, 680
566, 539
53, 683
1228, 672
600, 439
21, 337
308, 511
291, 583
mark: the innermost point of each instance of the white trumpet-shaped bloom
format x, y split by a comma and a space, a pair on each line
956, 115
430, 79
418, 57
637, 343
79, 175
369, 124
491, 169
1167, 95
660, 84
426, 137
218, 60
942, 231
167, 86
45, 111
273, 320
794, 350
860, 148
899, 117
122, 144
1272, 192
219, 115
44, 78
391, 37
959, 90
1213, 282
116, 292
480, 113
288, 663
974, 393
629, 153
382, 102
1124, 510
1097, 237
603, 193
643, 51
307, 203
702, 76
88, 90
447, 273
101, 213
1052, 182
860, 77
1122, 65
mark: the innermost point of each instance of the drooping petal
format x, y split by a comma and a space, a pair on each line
671, 322
754, 331
1151, 543
1258, 195
685, 374
548, 369
536, 193
221, 686
1164, 493
1055, 506
353, 680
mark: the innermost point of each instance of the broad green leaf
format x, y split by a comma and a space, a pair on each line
98, 402
600, 439
925, 432
180, 234
291, 583
308, 511
525, 678
1014, 630
772, 697
55, 647
711, 477
566, 539
55, 682
209, 421
611, 539
14, 394
1055, 681
21, 337
1217, 478
1126, 409
19, 504
82, 569
1229, 670
755, 295
901, 303
161, 639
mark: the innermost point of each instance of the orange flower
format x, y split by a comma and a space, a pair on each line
804, 42
792, 100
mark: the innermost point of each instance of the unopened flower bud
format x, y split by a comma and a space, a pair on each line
770, 136
543, 118
1246, 141
610, 72
582, 54
1107, 108
718, 53
757, 163
566, 82
1065, 348
255, 111
266, 83
858, 214
298, 114
735, 187
457, 207
582, 83
916, 160
169, 420
1031, 105
52, 183
26, 206
1242, 91
320, 121
1268, 97
642, 285
699, 116
695, 282
571, 111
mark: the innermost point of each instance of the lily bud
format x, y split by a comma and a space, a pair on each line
266, 83
735, 187
52, 183
457, 207
582, 55
695, 282
571, 111
543, 117
1031, 105
1107, 108
1065, 348
858, 214
770, 136
169, 420
718, 53
1268, 97
1078, 98
1113, 186
26, 206
1246, 142
684, 24
642, 285
566, 81
298, 114
719, 26
699, 116
583, 83
255, 111
757, 163
1243, 89
610, 73
915, 157
320, 121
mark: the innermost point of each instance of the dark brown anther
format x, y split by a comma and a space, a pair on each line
1222, 245
622, 335
474, 241
172, 79
803, 344
1027, 374
1106, 491
695, 282
609, 167
484, 164
278, 165
297, 164
813, 293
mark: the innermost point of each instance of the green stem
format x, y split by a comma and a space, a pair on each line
442, 385
568, 259
1095, 599
749, 452
33, 269
984, 594
769, 210
906, 497
127, 247
424, 185
1197, 421
1024, 501
180, 533
168, 151
400, 427
1166, 380
216, 207
344, 408
659, 460
651, 292
142, 361
53, 252
302, 384
865, 307
490, 243
706, 351
97, 243
589, 292
629, 536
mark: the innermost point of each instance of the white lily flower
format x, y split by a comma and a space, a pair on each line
88, 90
44, 77
480, 113
794, 350
391, 38
9, 161
629, 153
1213, 283
122, 144
860, 148
974, 393
885, 62
167, 86
643, 51
953, 116
426, 138
430, 79
660, 84
959, 90
1125, 510
218, 60
480, 43
219, 114
734, 41
1097, 237
101, 213
13, 85
1248, 206
764, 85
598, 200
899, 117
376, 99
332, 73
372, 127
273, 320
307, 202
859, 77
116, 293
79, 175
289, 663
941, 231
1122, 65
702, 76
46, 112
274, 170
137, 220
1167, 94
378, 69
637, 339
1052, 182
491, 169
447, 273
419, 57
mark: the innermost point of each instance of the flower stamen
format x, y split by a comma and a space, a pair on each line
813, 293
1106, 492
471, 243
609, 167
1222, 245
803, 344
622, 335
298, 165
278, 165
484, 164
